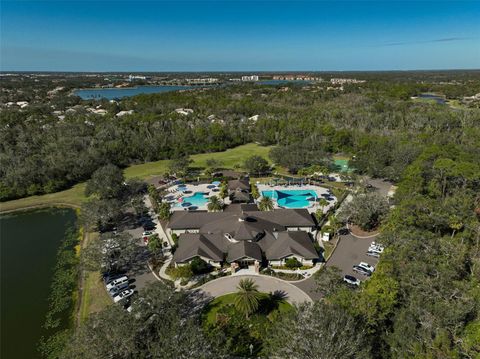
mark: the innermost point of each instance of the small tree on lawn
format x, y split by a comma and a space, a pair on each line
266, 204
292, 263
256, 164
247, 298
199, 266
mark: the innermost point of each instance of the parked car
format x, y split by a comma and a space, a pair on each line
117, 282
350, 279
147, 233
367, 266
374, 254
109, 277
361, 270
118, 288
377, 247
123, 295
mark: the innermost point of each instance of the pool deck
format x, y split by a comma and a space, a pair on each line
175, 193
320, 191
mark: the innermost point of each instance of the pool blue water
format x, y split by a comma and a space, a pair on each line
292, 198
197, 199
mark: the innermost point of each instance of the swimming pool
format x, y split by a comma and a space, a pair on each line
198, 199
292, 198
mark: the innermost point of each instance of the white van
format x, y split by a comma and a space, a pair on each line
119, 282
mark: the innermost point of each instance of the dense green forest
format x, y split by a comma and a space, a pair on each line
376, 121
423, 300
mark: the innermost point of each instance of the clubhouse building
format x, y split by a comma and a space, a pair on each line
243, 236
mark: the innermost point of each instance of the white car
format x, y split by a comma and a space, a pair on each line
122, 295
374, 254
376, 247
117, 282
367, 266
147, 233
350, 279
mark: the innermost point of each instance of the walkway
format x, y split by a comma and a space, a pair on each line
226, 285
158, 226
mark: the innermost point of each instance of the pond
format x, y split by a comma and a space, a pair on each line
29, 243
114, 93
429, 96
283, 82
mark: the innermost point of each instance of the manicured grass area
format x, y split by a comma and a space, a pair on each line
72, 197
94, 296
229, 158
328, 249
227, 300
245, 334
75, 195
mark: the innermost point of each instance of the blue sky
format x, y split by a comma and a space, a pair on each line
238, 35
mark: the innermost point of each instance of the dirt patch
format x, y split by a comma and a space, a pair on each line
357, 231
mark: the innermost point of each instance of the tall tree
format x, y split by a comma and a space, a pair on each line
256, 165
318, 331
164, 324
247, 298
107, 182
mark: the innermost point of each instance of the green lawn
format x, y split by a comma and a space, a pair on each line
75, 195
228, 299
94, 296
72, 197
229, 159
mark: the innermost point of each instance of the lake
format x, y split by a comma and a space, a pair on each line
284, 82
114, 93
437, 98
29, 243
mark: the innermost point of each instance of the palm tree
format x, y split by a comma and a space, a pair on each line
266, 204
214, 204
223, 190
322, 203
248, 297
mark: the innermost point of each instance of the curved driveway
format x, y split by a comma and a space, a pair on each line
267, 284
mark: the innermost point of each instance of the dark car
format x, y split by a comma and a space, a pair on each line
362, 270
350, 279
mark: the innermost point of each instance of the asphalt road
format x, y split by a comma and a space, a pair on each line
265, 284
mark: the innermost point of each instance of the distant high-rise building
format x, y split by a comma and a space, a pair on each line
250, 78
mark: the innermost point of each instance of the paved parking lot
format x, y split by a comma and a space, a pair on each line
350, 251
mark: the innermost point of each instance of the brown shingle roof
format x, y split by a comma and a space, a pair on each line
192, 245
244, 249
291, 243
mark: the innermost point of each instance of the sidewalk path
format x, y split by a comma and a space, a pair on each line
158, 226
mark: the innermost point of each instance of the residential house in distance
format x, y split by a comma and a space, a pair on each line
243, 236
